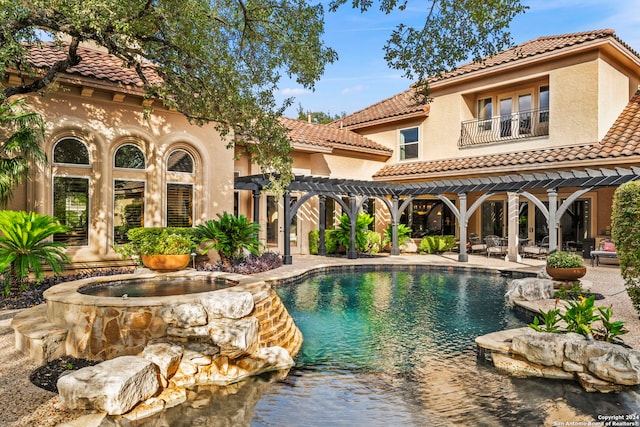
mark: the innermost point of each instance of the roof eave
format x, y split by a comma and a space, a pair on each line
385, 120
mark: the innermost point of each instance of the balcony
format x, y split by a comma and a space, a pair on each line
520, 125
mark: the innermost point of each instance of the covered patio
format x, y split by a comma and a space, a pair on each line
398, 196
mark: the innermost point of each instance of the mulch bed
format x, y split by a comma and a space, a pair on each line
46, 376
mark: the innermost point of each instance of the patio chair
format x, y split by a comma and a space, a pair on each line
606, 251
495, 246
476, 244
538, 251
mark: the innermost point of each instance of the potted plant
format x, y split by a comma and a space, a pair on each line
159, 248
565, 266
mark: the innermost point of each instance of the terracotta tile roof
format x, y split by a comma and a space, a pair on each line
95, 64
621, 141
325, 136
402, 104
532, 48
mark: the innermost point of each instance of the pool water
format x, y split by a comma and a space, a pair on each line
396, 349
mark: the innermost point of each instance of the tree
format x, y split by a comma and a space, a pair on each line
317, 117
221, 61
21, 132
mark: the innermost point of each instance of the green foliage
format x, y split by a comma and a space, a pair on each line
23, 131
342, 233
25, 247
576, 291
550, 319
610, 330
314, 241
374, 242
230, 236
404, 234
331, 241
579, 315
625, 231
565, 260
158, 241
436, 244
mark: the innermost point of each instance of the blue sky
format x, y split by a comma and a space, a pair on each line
361, 77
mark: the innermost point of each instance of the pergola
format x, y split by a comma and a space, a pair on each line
397, 196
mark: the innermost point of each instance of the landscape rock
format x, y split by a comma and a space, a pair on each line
232, 305
184, 315
167, 356
543, 348
617, 365
114, 386
529, 289
235, 338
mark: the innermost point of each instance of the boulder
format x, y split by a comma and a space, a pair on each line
235, 337
184, 315
529, 289
114, 386
543, 348
232, 305
618, 365
166, 355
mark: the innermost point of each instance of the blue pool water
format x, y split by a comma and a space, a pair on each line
396, 349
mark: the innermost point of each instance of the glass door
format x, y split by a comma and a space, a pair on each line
506, 108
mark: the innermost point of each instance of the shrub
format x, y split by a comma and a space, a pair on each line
625, 231
331, 241
25, 247
565, 260
343, 232
436, 244
404, 234
230, 236
374, 242
158, 241
314, 242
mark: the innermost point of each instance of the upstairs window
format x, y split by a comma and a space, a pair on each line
70, 151
409, 143
543, 104
485, 112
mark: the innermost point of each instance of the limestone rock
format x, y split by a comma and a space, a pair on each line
592, 384
184, 315
529, 289
581, 351
232, 305
167, 356
114, 386
235, 337
543, 348
618, 365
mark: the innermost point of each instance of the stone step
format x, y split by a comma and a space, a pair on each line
36, 337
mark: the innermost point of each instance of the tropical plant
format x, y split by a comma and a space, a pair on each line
230, 236
331, 241
314, 242
565, 260
610, 330
21, 132
25, 247
404, 234
374, 242
625, 231
550, 321
436, 244
342, 233
157, 241
579, 315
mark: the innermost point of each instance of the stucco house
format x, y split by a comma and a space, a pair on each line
546, 110
110, 168
547, 105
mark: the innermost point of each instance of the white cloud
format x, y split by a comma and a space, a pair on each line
294, 91
353, 89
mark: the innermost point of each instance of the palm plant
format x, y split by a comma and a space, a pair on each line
20, 134
24, 247
230, 236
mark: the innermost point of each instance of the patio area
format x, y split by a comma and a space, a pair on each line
28, 405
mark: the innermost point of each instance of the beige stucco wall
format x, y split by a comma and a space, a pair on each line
103, 125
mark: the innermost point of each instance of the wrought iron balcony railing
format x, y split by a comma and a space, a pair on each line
520, 125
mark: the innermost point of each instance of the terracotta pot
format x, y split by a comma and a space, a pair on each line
166, 262
566, 273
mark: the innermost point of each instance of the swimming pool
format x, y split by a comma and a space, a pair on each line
396, 348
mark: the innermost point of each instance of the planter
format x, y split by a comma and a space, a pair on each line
166, 262
566, 273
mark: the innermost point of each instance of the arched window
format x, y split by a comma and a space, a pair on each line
180, 161
129, 156
71, 151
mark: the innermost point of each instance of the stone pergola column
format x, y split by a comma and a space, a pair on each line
287, 259
553, 220
513, 228
322, 217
